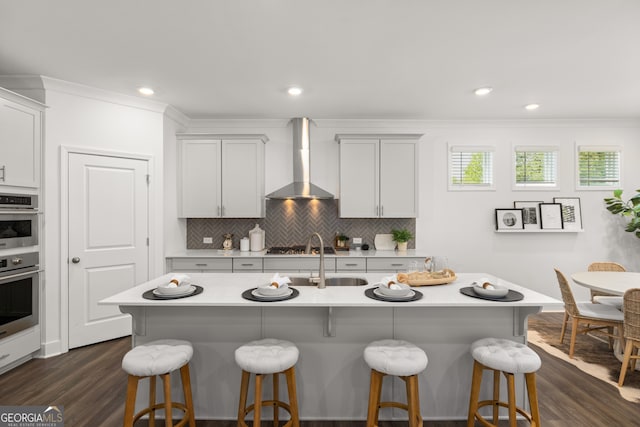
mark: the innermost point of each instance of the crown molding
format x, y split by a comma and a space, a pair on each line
76, 89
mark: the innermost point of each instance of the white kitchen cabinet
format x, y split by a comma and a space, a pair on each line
351, 264
397, 264
378, 175
203, 265
221, 176
20, 140
19, 348
298, 264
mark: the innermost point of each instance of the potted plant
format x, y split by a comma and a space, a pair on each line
629, 209
341, 241
401, 237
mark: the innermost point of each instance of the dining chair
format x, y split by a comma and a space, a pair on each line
604, 297
631, 331
594, 317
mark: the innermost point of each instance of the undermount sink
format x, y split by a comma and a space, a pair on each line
329, 281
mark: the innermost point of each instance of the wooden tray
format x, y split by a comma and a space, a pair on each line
431, 279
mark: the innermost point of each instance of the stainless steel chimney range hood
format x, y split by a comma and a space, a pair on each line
301, 187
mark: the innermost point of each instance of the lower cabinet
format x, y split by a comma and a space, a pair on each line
246, 265
293, 264
298, 265
394, 264
204, 265
18, 348
351, 264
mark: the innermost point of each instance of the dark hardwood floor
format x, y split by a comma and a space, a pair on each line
91, 385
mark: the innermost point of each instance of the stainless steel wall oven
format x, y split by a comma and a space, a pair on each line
18, 220
19, 292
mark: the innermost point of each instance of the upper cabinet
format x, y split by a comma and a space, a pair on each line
378, 175
221, 176
20, 140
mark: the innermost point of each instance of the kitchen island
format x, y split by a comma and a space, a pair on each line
331, 327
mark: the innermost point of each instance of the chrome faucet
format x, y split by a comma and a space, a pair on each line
319, 280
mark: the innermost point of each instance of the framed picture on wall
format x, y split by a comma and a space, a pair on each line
551, 216
509, 219
530, 214
571, 212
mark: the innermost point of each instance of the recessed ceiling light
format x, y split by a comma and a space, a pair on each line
294, 91
532, 107
483, 91
146, 91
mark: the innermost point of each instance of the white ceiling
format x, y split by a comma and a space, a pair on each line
392, 59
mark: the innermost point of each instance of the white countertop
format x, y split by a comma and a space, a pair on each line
225, 290
235, 253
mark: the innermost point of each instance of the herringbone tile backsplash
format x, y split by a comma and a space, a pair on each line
291, 222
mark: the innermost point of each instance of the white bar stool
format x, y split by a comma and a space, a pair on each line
398, 358
159, 358
509, 358
268, 357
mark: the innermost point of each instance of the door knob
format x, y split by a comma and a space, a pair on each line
16, 261
75, 260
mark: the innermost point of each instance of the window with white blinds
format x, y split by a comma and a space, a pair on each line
471, 168
598, 167
536, 167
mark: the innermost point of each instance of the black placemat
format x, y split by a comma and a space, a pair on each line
511, 295
248, 295
150, 295
369, 292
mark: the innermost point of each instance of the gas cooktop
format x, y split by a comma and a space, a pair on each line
297, 250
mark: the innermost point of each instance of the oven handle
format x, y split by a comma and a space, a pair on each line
19, 275
10, 211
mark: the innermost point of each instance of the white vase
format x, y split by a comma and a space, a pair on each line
402, 246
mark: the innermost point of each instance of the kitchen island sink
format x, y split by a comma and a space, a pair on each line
329, 281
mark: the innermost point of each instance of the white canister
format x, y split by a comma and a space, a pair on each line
244, 244
256, 237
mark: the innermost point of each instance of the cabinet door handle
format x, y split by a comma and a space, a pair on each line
4, 356
397, 265
377, 210
4, 172
201, 265
247, 265
381, 210
351, 265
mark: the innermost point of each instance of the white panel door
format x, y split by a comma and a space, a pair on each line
108, 249
359, 178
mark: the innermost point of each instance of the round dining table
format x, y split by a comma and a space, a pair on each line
612, 282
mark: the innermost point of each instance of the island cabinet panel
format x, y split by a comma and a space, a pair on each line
202, 264
297, 264
394, 264
378, 175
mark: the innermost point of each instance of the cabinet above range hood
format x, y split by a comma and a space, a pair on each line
301, 187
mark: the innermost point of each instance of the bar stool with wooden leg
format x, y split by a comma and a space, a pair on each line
398, 358
509, 358
268, 357
159, 358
